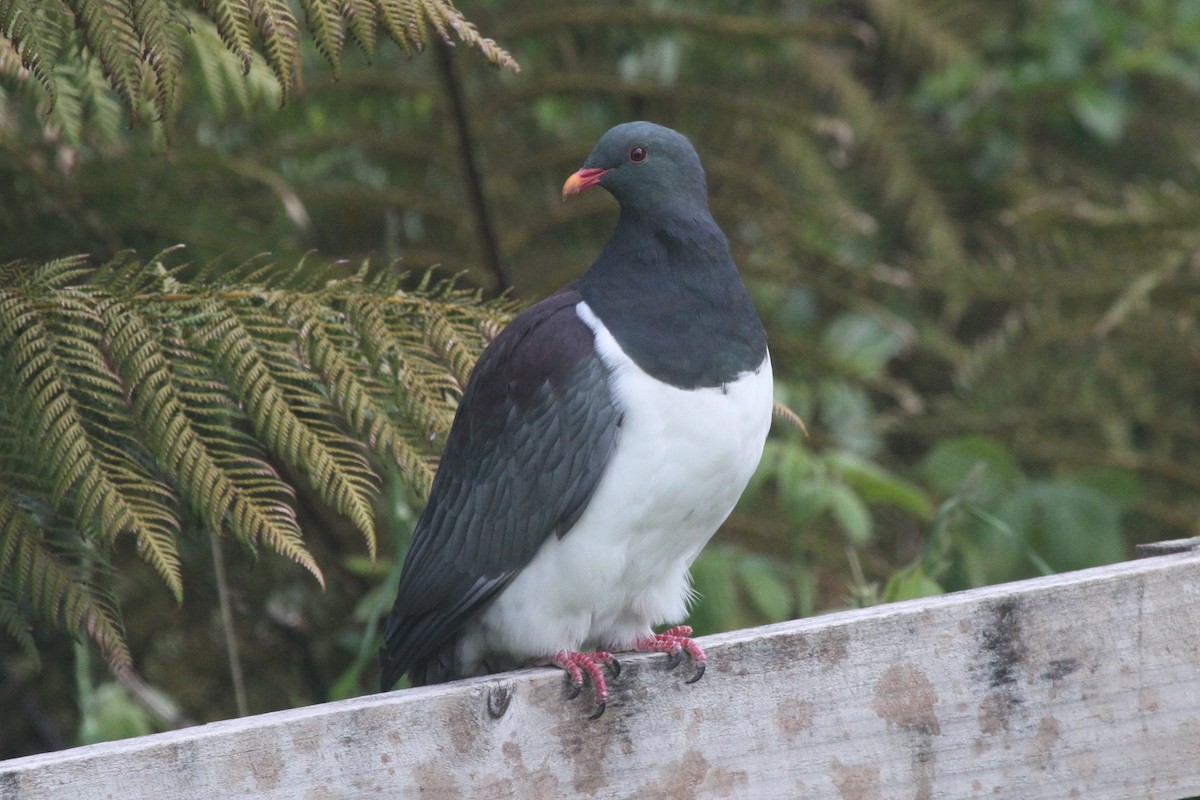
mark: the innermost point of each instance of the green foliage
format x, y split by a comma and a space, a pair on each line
47, 572
737, 588
838, 483
140, 45
109, 712
969, 229
997, 524
135, 393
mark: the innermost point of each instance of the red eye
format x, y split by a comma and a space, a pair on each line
637, 154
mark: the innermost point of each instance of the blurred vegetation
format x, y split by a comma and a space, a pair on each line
969, 227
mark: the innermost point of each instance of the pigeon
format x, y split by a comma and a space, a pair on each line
603, 437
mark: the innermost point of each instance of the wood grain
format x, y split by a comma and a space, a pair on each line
1083, 685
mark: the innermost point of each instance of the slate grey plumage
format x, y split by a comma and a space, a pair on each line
533, 432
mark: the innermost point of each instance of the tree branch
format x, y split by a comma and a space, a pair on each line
462, 126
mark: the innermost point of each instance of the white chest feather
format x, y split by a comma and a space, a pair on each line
682, 460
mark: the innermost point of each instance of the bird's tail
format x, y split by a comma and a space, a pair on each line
401, 653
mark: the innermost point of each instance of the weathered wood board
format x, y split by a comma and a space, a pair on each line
1083, 685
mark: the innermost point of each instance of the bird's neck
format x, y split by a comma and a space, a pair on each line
667, 288
673, 249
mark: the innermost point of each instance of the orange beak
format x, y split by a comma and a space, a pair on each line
583, 179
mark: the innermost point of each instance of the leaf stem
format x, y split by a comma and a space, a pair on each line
231, 645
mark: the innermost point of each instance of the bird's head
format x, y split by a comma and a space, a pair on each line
645, 167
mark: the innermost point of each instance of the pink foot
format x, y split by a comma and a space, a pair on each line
576, 664
676, 642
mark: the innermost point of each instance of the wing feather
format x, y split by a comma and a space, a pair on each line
532, 436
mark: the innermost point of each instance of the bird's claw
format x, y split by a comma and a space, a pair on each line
675, 642
577, 664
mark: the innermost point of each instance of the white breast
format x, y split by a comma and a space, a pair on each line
680, 464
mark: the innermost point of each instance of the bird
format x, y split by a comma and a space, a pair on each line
602, 438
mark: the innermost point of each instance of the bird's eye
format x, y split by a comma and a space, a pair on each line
637, 154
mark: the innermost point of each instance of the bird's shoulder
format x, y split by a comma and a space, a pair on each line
542, 352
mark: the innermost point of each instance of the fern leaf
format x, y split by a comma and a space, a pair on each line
160, 28
442, 336
403, 23
14, 623
243, 492
264, 399
279, 33
348, 393
60, 272
108, 32
360, 21
189, 451
407, 21
420, 393
58, 374
58, 592
445, 16
32, 40
234, 25
227, 76
308, 400
131, 390
131, 349
324, 18
77, 103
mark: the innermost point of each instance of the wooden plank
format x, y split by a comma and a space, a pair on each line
1084, 685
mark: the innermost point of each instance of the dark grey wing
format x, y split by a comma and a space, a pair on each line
533, 433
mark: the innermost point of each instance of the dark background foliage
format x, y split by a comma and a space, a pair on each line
969, 228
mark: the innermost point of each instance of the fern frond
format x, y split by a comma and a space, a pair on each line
421, 393
442, 336
14, 624
133, 391
85, 99
200, 454
138, 45
58, 592
264, 398
361, 22
232, 19
109, 31
223, 472
243, 78
445, 17
161, 29
349, 391
33, 40
60, 272
403, 23
62, 388
310, 401
324, 19
280, 40
407, 21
